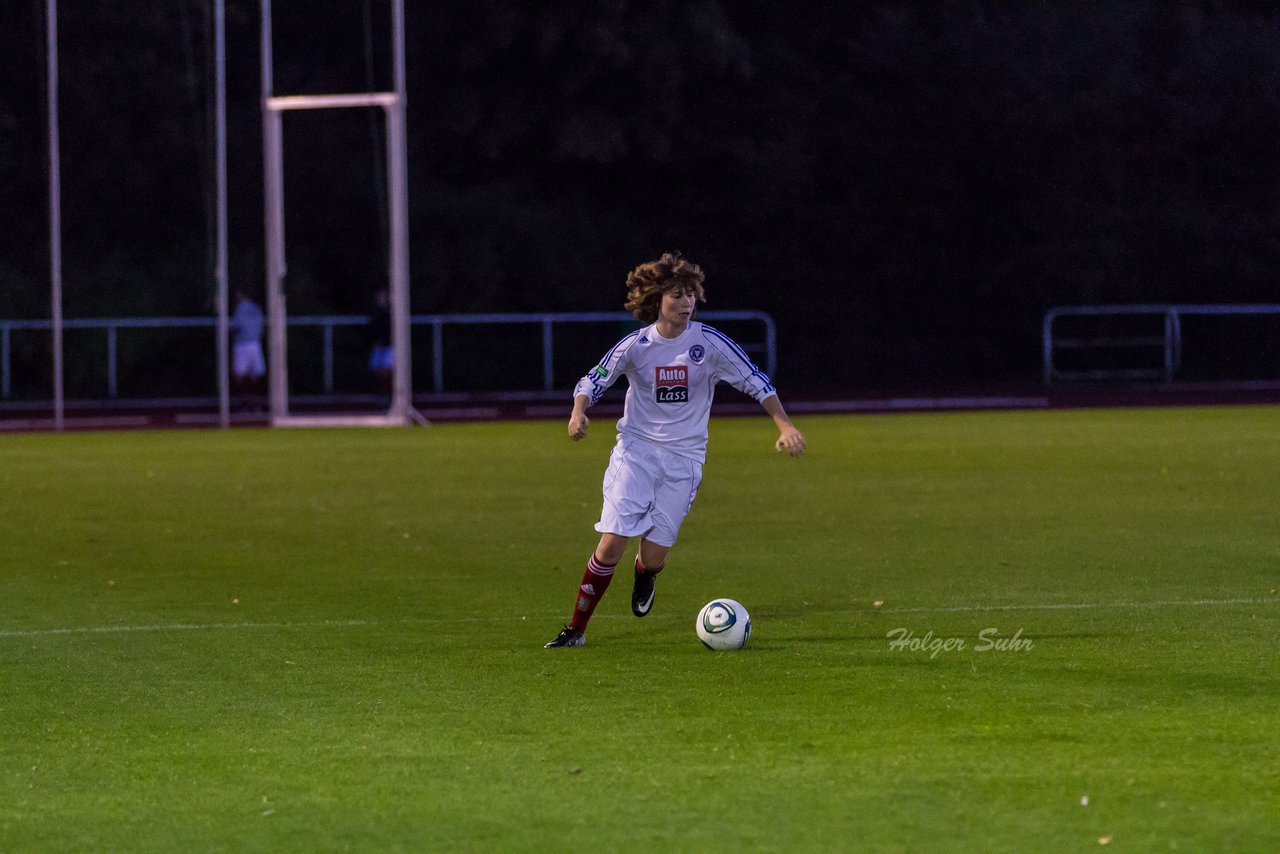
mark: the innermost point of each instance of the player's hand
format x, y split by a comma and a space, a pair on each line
792, 441
578, 424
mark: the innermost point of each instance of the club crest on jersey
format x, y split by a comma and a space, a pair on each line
671, 384
697, 353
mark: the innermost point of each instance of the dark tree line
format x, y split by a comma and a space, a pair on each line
906, 186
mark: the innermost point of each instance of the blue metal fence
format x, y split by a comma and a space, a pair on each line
1167, 345
763, 348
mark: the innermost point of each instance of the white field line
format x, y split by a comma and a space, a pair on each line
429, 621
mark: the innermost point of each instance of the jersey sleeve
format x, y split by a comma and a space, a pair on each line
605, 374
736, 368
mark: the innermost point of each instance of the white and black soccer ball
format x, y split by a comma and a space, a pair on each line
723, 624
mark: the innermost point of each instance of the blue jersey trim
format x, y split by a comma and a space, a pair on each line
597, 389
614, 348
755, 372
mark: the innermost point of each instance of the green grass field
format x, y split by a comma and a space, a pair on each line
332, 640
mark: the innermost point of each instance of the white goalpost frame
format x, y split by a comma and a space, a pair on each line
401, 411
222, 272
55, 210
392, 103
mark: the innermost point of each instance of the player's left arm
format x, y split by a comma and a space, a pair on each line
736, 368
790, 439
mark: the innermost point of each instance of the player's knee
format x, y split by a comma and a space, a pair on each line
610, 550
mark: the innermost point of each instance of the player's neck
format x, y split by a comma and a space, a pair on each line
669, 330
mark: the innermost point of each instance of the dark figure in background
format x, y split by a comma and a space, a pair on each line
248, 367
381, 355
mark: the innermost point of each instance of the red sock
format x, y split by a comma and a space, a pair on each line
594, 582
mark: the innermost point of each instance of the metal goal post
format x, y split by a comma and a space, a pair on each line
393, 107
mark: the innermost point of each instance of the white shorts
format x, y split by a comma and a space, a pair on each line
647, 491
247, 361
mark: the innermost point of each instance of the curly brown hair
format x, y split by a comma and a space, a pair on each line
647, 283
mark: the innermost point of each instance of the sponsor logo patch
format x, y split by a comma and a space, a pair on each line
671, 384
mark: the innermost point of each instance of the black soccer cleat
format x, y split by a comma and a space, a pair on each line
642, 593
568, 637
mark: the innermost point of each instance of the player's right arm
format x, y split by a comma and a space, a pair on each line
592, 387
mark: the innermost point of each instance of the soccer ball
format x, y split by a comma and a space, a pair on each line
723, 624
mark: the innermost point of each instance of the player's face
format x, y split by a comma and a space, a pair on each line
677, 306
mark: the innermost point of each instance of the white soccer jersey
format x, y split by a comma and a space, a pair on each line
672, 383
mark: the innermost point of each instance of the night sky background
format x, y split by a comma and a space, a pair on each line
906, 186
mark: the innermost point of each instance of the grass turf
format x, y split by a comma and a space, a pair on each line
330, 640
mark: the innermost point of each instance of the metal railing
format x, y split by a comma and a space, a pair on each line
1168, 344
765, 346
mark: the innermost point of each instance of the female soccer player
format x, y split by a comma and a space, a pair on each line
672, 366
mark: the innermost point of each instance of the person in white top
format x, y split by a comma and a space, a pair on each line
247, 363
672, 367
